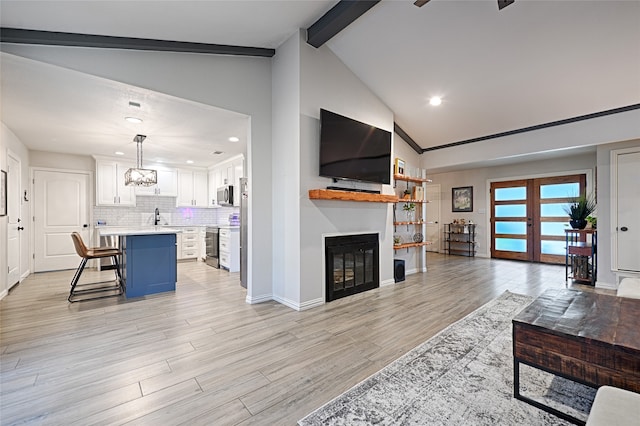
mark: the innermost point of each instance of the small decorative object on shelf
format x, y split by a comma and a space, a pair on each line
417, 237
399, 167
410, 209
397, 240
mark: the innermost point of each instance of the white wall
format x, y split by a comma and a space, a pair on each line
9, 141
480, 180
286, 172
327, 83
241, 84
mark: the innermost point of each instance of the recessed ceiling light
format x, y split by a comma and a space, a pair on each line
189, 161
435, 100
119, 153
234, 139
135, 120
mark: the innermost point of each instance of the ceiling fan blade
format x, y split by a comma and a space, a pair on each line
503, 3
421, 3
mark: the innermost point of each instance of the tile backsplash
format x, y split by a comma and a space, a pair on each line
143, 213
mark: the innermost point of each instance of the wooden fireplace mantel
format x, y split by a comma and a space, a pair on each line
332, 194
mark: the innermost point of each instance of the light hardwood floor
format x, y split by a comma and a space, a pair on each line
203, 356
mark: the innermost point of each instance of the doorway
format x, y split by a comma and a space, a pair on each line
528, 220
14, 225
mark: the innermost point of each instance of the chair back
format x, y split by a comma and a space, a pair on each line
81, 248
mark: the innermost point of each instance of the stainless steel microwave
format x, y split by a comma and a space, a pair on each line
225, 195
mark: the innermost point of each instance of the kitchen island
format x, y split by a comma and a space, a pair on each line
148, 261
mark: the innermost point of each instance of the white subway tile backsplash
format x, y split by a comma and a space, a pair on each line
143, 213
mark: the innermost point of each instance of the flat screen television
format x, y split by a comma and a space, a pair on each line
353, 150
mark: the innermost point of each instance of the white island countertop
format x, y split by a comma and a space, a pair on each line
141, 230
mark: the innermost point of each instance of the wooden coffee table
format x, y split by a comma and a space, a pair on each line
590, 338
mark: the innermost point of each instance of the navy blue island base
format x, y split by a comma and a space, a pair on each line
148, 264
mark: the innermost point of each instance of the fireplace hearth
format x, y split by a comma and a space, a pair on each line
352, 265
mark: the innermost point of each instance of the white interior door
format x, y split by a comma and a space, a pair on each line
433, 217
61, 207
15, 225
628, 200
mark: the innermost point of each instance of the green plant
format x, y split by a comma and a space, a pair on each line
409, 207
593, 221
579, 208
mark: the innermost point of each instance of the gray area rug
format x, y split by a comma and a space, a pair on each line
463, 375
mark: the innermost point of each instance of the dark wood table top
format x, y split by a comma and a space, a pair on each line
611, 320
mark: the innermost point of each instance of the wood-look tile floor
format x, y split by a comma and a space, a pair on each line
204, 356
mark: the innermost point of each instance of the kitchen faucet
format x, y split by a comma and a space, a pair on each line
157, 219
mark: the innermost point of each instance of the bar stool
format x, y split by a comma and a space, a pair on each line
93, 288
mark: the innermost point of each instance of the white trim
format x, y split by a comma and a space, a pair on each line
589, 184
386, 283
613, 207
3, 294
299, 306
259, 299
609, 286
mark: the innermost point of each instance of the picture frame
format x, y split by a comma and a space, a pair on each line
462, 199
3, 193
399, 166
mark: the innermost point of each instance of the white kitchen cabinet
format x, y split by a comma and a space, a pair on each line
226, 173
110, 187
192, 188
202, 233
189, 245
238, 172
167, 185
230, 249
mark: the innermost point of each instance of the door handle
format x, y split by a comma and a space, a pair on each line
85, 226
20, 228
624, 229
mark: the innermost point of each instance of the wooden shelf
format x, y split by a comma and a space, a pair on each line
331, 194
409, 223
405, 200
411, 179
409, 245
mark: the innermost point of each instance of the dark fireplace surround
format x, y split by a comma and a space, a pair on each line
351, 265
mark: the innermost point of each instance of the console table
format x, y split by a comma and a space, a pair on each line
586, 337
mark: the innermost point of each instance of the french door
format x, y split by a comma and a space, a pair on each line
528, 220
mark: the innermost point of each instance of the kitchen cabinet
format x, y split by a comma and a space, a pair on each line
188, 243
230, 249
167, 185
192, 188
110, 187
226, 173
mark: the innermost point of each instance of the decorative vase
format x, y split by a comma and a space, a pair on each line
578, 223
410, 215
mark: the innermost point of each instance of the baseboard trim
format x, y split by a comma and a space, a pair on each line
259, 299
3, 294
605, 285
387, 282
299, 306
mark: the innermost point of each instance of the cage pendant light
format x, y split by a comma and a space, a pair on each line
139, 176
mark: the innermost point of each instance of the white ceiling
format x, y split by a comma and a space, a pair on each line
534, 62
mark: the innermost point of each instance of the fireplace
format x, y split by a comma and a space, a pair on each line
352, 265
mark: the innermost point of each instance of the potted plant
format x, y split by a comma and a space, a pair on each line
409, 208
579, 209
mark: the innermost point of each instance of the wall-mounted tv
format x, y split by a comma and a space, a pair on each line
353, 150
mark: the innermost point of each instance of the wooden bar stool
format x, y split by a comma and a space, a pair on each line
76, 294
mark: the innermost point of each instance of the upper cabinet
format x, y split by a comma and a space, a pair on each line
167, 185
228, 172
110, 187
192, 188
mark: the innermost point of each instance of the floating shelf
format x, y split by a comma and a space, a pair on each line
409, 245
331, 194
405, 200
411, 179
409, 223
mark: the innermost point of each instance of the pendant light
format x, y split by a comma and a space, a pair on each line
139, 176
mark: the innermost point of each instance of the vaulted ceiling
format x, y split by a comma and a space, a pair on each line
531, 63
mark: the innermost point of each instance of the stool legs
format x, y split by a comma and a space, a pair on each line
76, 277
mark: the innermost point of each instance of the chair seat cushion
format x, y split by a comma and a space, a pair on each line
614, 407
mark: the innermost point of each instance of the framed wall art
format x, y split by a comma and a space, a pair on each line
3, 193
462, 199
